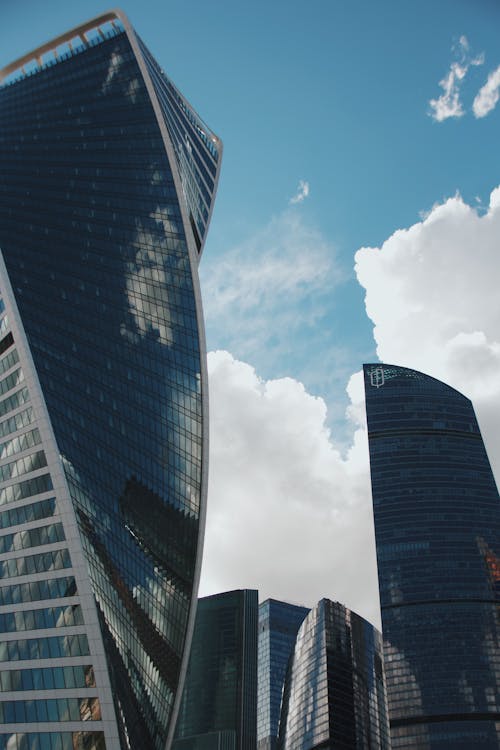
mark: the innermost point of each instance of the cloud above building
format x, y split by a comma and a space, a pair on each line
432, 295
288, 514
289, 511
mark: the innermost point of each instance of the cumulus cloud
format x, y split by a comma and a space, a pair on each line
487, 97
302, 192
432, 294
449, 104
287, 513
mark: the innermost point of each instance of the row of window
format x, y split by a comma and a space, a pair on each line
17, 422
47, 678
25, 513
53, 741
44, 648
9, 361
41, 619
6, 342
11, 381
32, 538
51, 709
20, 443
54, 532
12, 402
35, 591
29, 487
41, 563
23, 466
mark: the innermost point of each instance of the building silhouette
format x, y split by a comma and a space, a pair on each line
334, 695
279, 623
437, 525
106, 188
219, 703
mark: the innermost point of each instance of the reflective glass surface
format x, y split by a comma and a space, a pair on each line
279, 623
32, 537
437, 525
92, 235
334, 694
44, 648
196, 149
25, 513
17, 422
53, 741
46, 678
32, 591
49, 710
41, 619
219, 702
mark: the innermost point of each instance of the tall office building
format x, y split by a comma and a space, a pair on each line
279, 623
219, 703
106, 187
437, 525
334, 695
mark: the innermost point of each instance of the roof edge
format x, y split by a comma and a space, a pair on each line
52, 44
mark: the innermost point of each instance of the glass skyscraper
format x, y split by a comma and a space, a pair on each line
334, 696
219, 703
107, 181
437, 525
278, 626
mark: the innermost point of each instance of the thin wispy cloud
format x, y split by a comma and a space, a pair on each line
487, 97
272, 276
301, 194
449, 103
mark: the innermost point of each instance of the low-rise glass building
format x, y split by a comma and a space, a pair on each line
334, 695
219, 703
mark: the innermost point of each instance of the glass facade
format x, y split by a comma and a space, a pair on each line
102, 376
334, 695
279, 623
437, 525
219, 702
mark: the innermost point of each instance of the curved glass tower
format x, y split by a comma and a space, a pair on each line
106, 190
437, 525
279, 623
334, 694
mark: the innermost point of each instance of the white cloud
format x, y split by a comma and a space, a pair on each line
257, 295
291, 515
302, 192
449, 104
287, 513
487, 97
432, 294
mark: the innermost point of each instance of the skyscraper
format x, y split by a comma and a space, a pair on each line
437, 525
219, 704
278, 626
106, 189
334, 695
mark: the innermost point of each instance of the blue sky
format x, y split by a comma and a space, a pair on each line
329, 103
